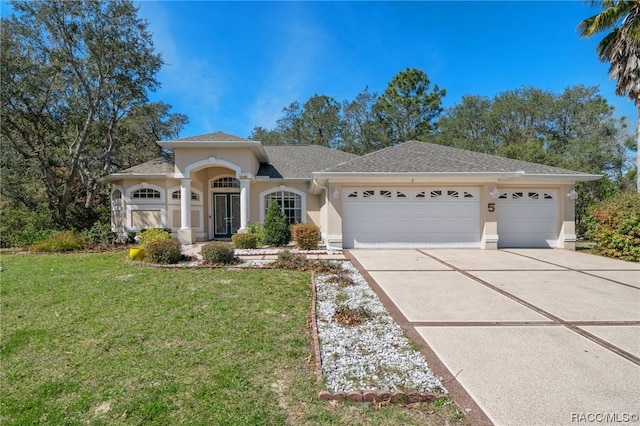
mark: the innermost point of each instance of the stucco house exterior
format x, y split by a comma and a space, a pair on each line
415, 194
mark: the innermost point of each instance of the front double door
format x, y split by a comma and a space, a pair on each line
226, 214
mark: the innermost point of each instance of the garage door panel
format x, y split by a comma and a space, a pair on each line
420, 218
528, 218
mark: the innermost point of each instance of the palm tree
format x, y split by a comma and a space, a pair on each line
621, 48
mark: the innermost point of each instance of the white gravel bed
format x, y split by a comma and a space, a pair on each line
275, 251
375, 355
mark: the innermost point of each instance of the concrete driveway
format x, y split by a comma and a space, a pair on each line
520, 337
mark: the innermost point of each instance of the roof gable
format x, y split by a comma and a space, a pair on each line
213, 137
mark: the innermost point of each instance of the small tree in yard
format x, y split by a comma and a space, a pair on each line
275, 231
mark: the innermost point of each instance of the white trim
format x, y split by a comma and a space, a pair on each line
173, 201
220, 190
303, 200
121, 210
208, 162
174, 209
130, 208
136, 187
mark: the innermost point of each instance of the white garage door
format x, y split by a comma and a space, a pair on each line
528, 218
398, 217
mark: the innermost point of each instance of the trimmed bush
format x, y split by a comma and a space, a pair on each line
275, 230
614, 225
244, 241
306, 236
293, 261
218, 253
61, 241
164, 252
153, 234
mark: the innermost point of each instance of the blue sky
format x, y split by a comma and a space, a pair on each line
234, 65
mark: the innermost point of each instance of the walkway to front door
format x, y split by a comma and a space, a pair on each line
226, 214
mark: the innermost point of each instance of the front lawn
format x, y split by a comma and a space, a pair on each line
90, 339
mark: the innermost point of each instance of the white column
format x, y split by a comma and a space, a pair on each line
245, 193
185, 203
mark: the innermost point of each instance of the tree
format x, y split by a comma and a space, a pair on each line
575, 129
359, 130
72, 72
321, 121
621, 48
289, 127
267, 137
407, 109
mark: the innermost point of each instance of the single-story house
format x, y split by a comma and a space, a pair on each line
415, 194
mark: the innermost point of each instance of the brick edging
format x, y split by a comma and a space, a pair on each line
314, 331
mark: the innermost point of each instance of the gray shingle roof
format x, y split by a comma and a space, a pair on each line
157, 166
423, 157
299, 161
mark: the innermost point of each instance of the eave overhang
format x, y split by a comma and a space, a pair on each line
322, 179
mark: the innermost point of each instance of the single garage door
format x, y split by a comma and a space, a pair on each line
528, 218
421, 218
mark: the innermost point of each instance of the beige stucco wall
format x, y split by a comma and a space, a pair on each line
241, 157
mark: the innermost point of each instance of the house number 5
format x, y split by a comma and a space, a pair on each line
491, 207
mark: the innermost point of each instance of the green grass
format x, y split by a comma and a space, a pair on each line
90, 339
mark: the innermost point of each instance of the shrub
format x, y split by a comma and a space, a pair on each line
61, 241
275, 230
217, 252
163, 251
21, 227
306, 236
244, 241
614, 225
256, 229
293, 261
100, 233
153, 234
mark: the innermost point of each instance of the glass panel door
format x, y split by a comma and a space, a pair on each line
226, 214
220, 215
235, 213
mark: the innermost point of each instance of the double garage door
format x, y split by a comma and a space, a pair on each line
400, 217
445, 217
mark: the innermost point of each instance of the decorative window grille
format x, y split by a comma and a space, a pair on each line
289, 202
176, 195
146, 193
226, 182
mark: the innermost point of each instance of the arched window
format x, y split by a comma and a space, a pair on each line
225, 182
290, 203
176, 195
146, 193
